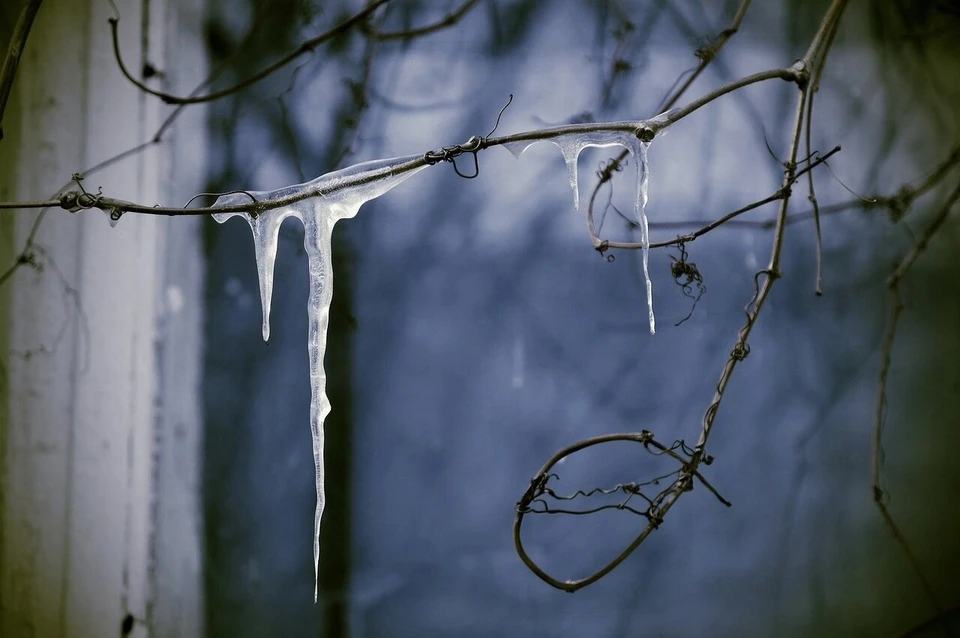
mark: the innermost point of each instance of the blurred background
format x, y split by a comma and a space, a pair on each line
475, 331
156, 471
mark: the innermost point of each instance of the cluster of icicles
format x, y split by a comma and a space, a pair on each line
320, 203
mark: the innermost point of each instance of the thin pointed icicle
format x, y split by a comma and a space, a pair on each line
640, 210
318, 204
266, 234
572, 143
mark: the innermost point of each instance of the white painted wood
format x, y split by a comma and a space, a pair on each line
99, 402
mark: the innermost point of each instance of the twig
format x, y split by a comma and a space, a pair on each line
893, 283
772, 272
11, 62
26, 252
74, 200
446, 22
781, 193
812, 195
306, 47
705, 59
358, 90
707, 54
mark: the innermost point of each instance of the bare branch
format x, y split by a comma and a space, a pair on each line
304, 48
896, 309
17, 43
446, 22
707, 55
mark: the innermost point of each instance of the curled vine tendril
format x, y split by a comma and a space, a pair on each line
540, 498
473, 146
687, 276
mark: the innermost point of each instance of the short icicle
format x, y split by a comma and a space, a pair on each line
571, 144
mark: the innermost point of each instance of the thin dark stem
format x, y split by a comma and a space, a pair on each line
446, 22
304, 48
781, 193
893, 283
21, 31
707, 54
73, 200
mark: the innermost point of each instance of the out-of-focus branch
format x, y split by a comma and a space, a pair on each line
12, 60
707, 54
304, 48
896, 309
446, 22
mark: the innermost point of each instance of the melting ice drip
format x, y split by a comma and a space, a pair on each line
572, 143
318, 204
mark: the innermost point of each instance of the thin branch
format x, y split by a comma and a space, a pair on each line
74, 200
21, 31
707, 54
893, 283
772, 272
796, 73
812, 195
446, 22
706, 58
358, 90
304, 48
781, 193
25, 256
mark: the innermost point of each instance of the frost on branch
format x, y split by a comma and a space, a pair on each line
318, 204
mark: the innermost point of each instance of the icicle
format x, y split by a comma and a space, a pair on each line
640, 210
318, 204
572, 143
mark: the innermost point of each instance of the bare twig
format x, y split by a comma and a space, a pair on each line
358, 91
12, 61
799, 73
75, 200
781, 193
25, 256
772, 272
812, 195
446, 22
306, 47
896, 309
707, 54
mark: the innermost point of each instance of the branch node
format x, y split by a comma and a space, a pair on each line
801, 74
740, 351
645, 134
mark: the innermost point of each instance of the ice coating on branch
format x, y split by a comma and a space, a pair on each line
318, 204
572, 143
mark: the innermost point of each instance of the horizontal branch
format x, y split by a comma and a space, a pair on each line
76, 200
781, 193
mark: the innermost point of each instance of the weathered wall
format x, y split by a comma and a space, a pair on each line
98, 418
